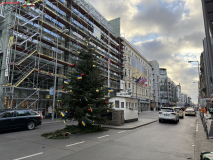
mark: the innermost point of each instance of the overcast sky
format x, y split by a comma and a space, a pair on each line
169, 31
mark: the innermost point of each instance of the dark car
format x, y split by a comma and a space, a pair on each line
12, 119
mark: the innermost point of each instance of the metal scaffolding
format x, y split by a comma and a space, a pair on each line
44, 41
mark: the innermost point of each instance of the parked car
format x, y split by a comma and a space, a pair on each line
180, 111
190, 111
168, 113
12, 119
206, 156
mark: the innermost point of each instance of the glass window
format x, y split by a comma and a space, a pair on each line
117, 104
126, 104
167, 110
31, 113
136, 105
129, 104
21, 113
122, 104
7, 114
132, 105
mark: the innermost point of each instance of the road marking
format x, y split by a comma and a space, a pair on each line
103, 136
29, 156
196, 127
75, 144
121, 131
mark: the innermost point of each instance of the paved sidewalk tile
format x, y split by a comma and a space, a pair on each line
201, 142
132, 125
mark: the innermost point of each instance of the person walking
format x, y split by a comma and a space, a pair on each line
49, 111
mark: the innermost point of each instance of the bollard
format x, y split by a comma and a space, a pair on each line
211, 129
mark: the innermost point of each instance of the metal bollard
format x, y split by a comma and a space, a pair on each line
207, 135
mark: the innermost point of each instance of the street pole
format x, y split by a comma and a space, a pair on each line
136, 87
108, 66
54, 93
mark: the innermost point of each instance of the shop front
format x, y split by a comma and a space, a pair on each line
144, 104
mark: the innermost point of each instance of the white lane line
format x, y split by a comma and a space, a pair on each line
121, 131
29, 156
196, 127
103, 136
74, 144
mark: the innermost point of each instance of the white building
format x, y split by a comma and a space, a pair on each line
135, 66
155, 82
179, 92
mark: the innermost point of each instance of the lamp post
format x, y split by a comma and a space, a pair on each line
56, 59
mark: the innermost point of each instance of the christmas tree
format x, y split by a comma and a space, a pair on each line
86, 102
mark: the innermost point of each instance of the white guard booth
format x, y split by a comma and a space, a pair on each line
129, 105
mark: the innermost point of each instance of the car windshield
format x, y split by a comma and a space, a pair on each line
167, 110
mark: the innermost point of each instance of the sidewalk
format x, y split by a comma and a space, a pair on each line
132, 125
201, 143
145, 118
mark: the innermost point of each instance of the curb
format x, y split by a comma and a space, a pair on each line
51, 122
130, 128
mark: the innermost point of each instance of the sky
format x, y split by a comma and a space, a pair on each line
168, 31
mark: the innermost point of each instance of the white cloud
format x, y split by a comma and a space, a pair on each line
178, 29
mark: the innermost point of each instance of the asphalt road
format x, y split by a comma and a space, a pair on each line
157, 141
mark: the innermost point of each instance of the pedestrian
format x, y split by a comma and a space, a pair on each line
49, 111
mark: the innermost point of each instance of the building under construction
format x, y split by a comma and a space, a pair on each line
40, 41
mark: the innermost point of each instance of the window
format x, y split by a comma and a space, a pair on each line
117, 104
122, 104
129, 73
129, 60
125, 72
132, 105
21, 113
129, 104
125, 85
129, 85
126, 104
136, 105
146, 92
7, 114
133, 89
31, 113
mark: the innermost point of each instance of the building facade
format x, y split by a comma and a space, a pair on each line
155, 79
135, 66
172, 92
42, 43
163, 87
178, 93
207, 55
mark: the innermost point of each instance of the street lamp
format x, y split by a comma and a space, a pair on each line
64, 31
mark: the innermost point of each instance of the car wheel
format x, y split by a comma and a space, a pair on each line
159, 120
31, 125
178, 120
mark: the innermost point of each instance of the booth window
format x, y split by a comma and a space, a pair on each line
117, 104
122, 104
